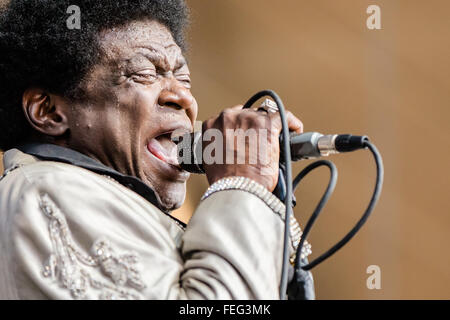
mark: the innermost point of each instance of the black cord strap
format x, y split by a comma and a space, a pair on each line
322, 202
286, 150
359, 224
285, 155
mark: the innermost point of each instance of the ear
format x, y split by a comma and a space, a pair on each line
45, 112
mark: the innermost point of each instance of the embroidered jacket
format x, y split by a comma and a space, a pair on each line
67, 232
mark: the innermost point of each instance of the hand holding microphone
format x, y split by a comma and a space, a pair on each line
295, 146
234, 121
234, 125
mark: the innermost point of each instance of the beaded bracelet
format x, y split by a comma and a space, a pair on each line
251, 186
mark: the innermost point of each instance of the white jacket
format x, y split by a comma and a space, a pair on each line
67, 232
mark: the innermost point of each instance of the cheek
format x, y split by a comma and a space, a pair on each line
87, 125
119, 120
136, 108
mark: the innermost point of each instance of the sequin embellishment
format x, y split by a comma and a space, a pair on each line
79, 272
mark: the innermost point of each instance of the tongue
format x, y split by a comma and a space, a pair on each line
164, 149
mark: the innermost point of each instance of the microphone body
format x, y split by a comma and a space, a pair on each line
308, 145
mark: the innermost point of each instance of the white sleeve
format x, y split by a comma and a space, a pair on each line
75, 236
233, 248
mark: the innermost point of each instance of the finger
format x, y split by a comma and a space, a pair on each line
294, 123
234, 109
237, 107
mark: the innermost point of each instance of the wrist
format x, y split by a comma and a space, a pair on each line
268, 181
278, 207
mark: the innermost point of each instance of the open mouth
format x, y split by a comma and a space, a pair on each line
163, 148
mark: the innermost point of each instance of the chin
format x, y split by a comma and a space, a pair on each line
171, 195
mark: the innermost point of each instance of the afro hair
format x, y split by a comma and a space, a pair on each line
38, 49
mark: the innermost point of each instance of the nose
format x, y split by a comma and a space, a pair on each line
180, 98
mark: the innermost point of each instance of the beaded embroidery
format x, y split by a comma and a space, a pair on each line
74, 269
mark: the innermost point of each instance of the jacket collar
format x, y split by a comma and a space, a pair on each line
51, 152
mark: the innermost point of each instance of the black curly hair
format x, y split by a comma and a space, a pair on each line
38, 49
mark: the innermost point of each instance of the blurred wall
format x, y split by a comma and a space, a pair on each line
339, 77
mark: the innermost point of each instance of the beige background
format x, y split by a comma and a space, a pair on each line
339, 77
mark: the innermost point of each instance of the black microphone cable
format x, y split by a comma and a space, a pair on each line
288, 188
287, 177
324, 200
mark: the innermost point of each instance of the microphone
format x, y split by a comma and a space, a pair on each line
308, 145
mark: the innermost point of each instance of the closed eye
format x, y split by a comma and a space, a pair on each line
144, 77
185, 79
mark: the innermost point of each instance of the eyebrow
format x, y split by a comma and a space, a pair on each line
161, 60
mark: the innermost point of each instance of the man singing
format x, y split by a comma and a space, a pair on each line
86, 116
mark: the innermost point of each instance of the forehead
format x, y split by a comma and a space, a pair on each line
122, 43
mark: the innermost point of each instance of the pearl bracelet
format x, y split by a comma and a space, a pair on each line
251, 186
